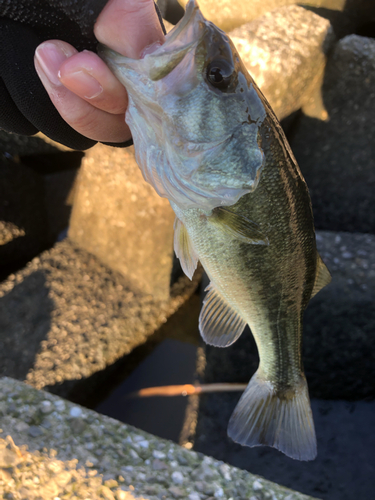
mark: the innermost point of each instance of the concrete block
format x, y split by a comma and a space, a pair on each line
66, 316
337, 157
285, 52
120, 219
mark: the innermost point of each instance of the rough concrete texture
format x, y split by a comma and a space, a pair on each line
68, 446
119, 218
337, 157
23, 218
228, 14
285, 52
66, 316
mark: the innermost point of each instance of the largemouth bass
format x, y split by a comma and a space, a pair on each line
206, 138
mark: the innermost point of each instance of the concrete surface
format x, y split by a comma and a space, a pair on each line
68, 443
285, 52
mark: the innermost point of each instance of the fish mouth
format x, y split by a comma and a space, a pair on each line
182, 39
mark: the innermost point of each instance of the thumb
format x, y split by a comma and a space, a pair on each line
128, 26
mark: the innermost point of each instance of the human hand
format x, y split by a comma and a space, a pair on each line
84, 91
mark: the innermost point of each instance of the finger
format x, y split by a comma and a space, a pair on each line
89, 77
79, 114
129, 26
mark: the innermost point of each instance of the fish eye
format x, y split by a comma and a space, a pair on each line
219, 74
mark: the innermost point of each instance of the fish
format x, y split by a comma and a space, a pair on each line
206, 139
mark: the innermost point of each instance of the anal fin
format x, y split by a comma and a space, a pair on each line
283, 420
322, 277
184, 249
219, 324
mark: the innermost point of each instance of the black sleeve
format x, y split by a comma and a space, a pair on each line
25, 107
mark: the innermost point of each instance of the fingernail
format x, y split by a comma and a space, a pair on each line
82, 84
50, 56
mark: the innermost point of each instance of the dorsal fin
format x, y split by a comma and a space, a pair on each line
184, 249
219, 324
322, 277
238, 226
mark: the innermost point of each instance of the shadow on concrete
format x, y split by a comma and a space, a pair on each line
25, 319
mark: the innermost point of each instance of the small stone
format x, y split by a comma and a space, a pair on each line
194, 496
219, 493
144, 444
9, 458
46, 407
182, 459
137, 438
347, 255
257, 485
158, 454
35, 431
134, 454
176, 492
177, 477
5, 476
59, 405
107, 493
121, 495
111, 483
21, 426
75, 411
225, 470
206, 488
77, 425
46, 424
159, 464
128, 468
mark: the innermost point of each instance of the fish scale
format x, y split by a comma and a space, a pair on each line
206, 139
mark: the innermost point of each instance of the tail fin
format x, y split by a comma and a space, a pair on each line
282, 420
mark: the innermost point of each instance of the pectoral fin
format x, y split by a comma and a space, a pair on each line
322, 277
184, 249
238, 226
219, 324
